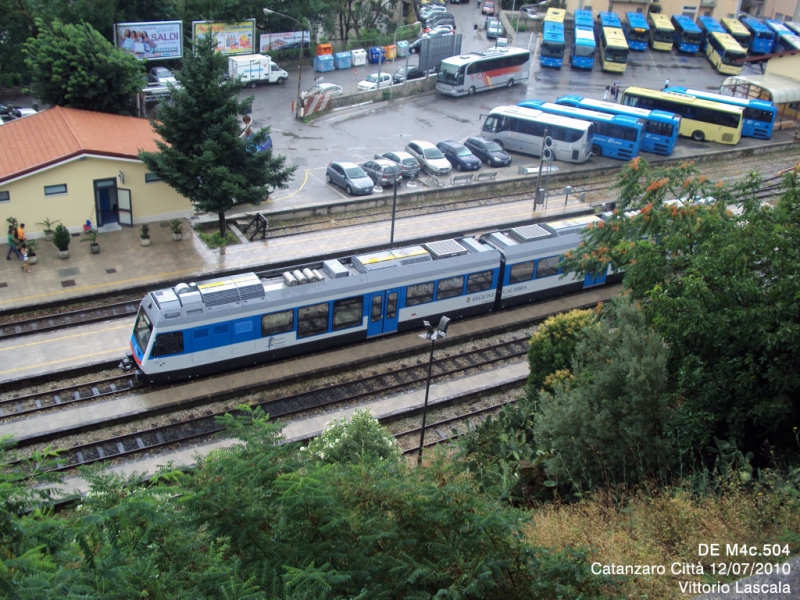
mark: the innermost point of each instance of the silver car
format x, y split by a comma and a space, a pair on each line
430, 157
349, 176
409, 166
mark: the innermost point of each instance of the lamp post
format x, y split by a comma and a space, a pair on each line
430, 334
269, 11
391, 87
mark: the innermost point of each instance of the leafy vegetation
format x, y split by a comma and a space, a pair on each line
201, 155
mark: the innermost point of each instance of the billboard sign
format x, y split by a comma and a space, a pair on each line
232, 38
269, 42
160, 40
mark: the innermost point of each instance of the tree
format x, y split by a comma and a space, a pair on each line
76, 67
201, 154
722, 287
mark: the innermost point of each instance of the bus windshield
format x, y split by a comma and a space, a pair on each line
449, 73
553, 49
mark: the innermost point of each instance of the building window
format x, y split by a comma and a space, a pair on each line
55, 190
151, 177
5, 197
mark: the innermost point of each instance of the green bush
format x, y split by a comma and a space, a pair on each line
61, 237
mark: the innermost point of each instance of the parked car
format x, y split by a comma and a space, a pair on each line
324, 88
533, 11
493, 27
430, 157
161, 76
383, 172
488, 151
415, 45
428, 9
407, 74
446, 28
440, 19
373, 82
409, 166
458, 155
349, 176
488, 8
11, 113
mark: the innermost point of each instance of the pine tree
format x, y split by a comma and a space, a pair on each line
201, 154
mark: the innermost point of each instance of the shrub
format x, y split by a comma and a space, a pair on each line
61, 238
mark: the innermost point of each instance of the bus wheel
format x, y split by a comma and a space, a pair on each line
698, 136
471, 90
597, 150
510, 83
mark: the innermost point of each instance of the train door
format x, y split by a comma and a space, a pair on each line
593, 279
383, 313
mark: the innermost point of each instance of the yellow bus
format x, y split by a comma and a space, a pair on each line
738, 31
613, 50
700, 119
555, 15
725, 53
662, 33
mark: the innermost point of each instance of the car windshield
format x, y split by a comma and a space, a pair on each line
463, 151
355, 172
163, 73
410, 162
492, 147
391, 170
432, 153
372, 78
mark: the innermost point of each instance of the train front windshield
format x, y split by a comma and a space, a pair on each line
142, 330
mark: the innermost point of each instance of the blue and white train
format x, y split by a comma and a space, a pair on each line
202, 328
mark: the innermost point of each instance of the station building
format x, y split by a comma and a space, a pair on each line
75, 166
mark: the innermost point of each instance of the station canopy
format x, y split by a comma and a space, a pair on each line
782, 90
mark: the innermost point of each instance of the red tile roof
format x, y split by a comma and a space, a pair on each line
59, 133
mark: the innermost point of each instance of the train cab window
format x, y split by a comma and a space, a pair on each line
347, 313
450, 287
142, 330
167, 343
377, 305
312, 320
391, 306
419, 294
521, 272
546, 267
478, 282
275, 323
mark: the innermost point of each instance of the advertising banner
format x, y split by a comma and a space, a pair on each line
283, 41
159, 40
232, 38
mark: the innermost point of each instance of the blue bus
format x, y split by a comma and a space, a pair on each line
759, 116
552, 50
709, 25
762, 37
637, 30
583, 43
615, 136
660, 128
608, 19
785, 38
584, 18
688, 35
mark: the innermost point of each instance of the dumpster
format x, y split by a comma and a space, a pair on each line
358, 57
341, 60
376, 55
323, 49
323, 63
402, 49
391, 51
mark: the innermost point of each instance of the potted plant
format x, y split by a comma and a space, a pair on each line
48, 228
144, 234
61, 239
177, 229
33, 247
91, 237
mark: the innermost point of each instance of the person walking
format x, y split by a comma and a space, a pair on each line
21, 233
614, 91
12, 244
606, 93
25, 265
666, 83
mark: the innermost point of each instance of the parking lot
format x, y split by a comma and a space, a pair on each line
358, 133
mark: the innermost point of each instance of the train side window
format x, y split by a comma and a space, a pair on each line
391, 306
275, 323
521, 272
419, 294
312, 320
478, 282
547, 267
167, 343
347, 313
377, 304
450, 287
